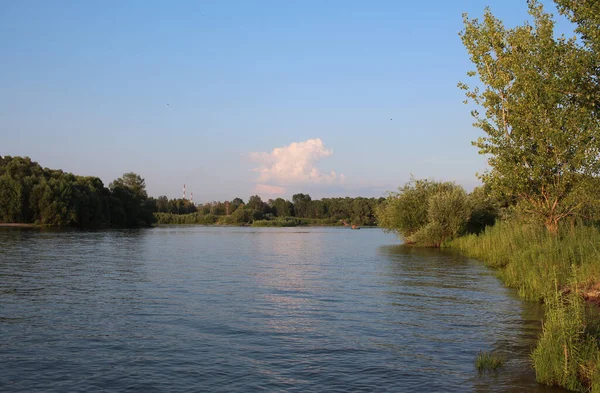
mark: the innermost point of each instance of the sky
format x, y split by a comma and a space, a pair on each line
235, 98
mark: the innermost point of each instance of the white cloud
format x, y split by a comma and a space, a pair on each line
295, 164
267, 191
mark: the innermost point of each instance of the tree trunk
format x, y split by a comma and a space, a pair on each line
551, 225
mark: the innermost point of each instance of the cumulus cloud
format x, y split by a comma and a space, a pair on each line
294, 164
269, 191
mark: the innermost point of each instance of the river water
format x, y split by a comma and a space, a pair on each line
226, 309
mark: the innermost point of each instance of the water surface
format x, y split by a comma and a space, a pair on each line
188, 309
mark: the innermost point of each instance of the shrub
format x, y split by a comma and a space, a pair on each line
488, 361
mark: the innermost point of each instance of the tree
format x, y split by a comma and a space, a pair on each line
282, 207
128, 202
449, 211
255, 203
485, 208
406, 211
586, 14
162, 204
541, 136
301, 204
133, 182
241, 216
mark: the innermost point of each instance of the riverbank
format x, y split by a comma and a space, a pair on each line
561, 271
243, 220
17, 225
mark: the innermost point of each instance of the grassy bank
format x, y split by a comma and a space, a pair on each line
562, 271
210, 219
294, 222
192, 218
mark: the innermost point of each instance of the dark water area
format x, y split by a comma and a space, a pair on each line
190, 309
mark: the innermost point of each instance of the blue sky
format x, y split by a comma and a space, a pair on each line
202, 93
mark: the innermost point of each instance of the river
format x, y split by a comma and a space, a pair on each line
227, 309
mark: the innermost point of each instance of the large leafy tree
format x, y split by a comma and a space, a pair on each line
586, 14
534, 90
256, 203
129, 207
301, 204
282, 207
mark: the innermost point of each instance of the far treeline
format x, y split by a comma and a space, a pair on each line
36, 195
536, 99
32, 194
301, 210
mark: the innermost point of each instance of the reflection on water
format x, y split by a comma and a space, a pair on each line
244, 309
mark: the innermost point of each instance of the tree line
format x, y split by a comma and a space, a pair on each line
32, 194
275, 212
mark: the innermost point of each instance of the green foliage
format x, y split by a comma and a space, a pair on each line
282, 208
301, 204
241, 216
359, 211
559, 270
32, 194
449, 210
488, 361
567, 354
541, 136
530, 259
256, 203
485, 208
192, 218
425, 212
586, 14
129, 206
294, 221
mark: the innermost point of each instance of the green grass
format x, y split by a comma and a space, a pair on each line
567, 352
210, 219
488, 361
295, 221
192, 218
533, 261
560, 271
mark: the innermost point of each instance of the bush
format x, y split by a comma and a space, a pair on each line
449, 210
426, 212
192, 218
487, 361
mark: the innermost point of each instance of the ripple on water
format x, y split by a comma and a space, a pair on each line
184, 309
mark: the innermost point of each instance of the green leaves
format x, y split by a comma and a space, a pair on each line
426, 212
540, 134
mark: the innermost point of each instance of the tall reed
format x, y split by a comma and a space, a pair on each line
560, 271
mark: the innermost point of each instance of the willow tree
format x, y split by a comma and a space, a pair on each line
541, 134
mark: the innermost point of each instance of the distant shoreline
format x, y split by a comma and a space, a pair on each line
17, 225
22, 225
262, 226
